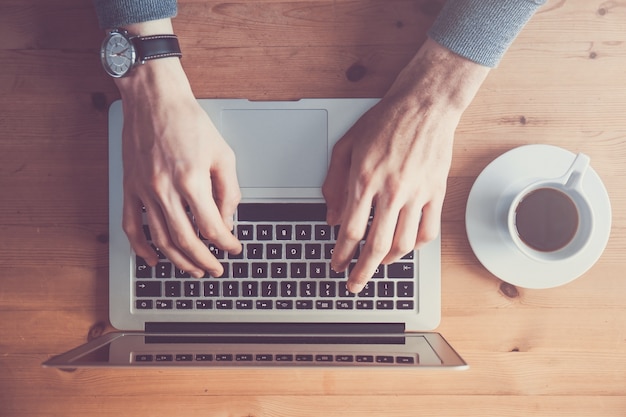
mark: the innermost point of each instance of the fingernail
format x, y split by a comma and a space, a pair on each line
355, 288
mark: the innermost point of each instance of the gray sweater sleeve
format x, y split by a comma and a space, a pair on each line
117, 13
482, 30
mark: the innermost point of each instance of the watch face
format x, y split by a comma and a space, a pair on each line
117, 54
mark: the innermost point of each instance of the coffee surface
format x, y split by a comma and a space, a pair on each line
546, 219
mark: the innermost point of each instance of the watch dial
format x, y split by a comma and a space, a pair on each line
118, 55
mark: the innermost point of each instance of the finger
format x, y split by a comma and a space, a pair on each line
132, 223
351, 233
335, 187
174, 234
375, 249
405, 235
226, 191
211, 223
430, 224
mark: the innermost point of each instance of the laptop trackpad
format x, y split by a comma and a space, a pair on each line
278, 148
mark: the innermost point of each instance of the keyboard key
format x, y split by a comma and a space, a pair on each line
230, 288
240, 270
284, 304
245, 232
284, 357
244, 357
172, 289
365, 305
224, 357
264, 232
254, 251
287, 289
144, 358
385, 288
217, 252
405, 305
365, 358
184, 357
259, 270
405, 289
143, 304
294, 251
384, 305
322, 232
148, 289
211, 288
283, 232
250, 289
181, 273
313, 251
303, 232
192, 289
298, 270
163, 270
184, 304
164, 358
324, 358
204, 304
344, 304
164, 304
142, 269
308, 289
202, 357
368, 290
323, 304
264, 305
400, 270
274, 251
344, 358
269, 289
224, 304
317, 270
243, 304
304, 358
405, 360
384, 359
279, 270
328, 289
264, 357
304, 304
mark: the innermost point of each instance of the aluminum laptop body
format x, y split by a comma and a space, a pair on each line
283, 150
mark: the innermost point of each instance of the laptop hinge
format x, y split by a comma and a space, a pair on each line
275, 328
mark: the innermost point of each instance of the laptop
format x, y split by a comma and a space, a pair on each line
278, 304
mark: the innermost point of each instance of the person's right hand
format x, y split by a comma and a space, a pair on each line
175, 158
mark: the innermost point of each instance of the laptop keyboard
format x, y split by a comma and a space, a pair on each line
284, 265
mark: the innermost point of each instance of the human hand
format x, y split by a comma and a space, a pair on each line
175, 158
396, 158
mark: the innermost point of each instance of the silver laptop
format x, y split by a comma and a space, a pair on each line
279, 303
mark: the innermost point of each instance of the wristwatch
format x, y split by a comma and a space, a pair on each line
121, 52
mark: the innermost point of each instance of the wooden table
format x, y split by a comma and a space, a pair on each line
555, 352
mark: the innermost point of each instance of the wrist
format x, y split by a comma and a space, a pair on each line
443, 76
157, 78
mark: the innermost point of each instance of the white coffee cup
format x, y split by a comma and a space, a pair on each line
552, 219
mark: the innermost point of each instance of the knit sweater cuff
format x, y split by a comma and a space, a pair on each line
482, 30
112, 14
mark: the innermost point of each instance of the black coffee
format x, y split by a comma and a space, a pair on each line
546, 219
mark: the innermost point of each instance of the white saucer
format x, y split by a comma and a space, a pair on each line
485, 217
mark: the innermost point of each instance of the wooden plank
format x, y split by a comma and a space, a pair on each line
334, 405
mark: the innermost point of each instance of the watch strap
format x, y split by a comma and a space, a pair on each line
156, 46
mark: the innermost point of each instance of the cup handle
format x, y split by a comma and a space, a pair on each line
575, 174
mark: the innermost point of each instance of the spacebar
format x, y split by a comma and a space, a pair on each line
286, 212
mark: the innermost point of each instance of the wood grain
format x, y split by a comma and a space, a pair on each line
556, 352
